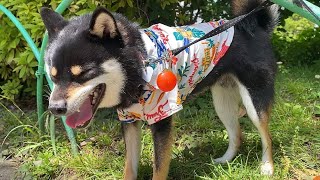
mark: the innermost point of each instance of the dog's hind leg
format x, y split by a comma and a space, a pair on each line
258, 106
132, 138
162, 138
226, 101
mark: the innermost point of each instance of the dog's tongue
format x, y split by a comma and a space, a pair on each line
79, 118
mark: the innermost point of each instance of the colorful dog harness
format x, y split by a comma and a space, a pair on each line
191, 66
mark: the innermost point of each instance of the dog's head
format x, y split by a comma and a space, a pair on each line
92, 61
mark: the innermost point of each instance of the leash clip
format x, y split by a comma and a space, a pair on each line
167, 56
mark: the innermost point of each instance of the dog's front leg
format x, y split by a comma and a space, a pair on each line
162, 133
132, 138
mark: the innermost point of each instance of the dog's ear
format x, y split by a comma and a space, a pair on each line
103, 24
53, 21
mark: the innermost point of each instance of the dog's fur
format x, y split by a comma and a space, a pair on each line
105, 49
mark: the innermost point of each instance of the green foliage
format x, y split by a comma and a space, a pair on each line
11, 88
17, 63
297, 41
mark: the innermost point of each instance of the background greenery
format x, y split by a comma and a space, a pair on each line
295, 40
294, 125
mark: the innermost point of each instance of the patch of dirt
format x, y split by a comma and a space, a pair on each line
26, 104
8, 170
70, 175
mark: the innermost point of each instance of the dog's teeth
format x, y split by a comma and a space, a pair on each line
95, 94
93, 101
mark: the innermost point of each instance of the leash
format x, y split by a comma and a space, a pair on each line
167, 80
224, 26
302, 4
172, 53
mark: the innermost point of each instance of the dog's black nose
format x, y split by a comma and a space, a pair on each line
58, 107
58, 111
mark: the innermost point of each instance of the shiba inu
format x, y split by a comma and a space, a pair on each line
101, 59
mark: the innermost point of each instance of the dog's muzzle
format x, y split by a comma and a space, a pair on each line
58, 108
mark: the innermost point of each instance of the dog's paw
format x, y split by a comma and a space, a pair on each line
267, 168
221, 160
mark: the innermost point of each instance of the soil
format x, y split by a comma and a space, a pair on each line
26, 104
8, 170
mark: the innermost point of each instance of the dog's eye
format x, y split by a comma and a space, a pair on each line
84, 75
53, 79
85, 72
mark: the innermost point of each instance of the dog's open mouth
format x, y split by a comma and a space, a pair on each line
84, 115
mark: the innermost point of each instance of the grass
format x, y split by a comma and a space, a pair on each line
200, 137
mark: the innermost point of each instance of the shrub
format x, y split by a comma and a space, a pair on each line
297, 42
17, 62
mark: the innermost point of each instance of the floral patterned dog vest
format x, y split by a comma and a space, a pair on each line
191, 66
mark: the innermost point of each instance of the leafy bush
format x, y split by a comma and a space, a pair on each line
297, 42
17, 62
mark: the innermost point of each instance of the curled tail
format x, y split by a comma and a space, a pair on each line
266, 18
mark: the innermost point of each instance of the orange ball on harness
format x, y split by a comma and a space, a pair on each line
166, 80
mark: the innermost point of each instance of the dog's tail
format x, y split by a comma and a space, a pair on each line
266, 18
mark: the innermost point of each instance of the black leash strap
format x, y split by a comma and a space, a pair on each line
225, 26
301, 3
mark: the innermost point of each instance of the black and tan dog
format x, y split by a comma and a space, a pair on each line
96, 60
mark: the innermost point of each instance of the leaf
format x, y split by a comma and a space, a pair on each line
3, 43
22, 59
10, 57
32, 71
22, 72
17, 69
130, 3
122, 3
115, 7
30, 58
33, 64
12, 44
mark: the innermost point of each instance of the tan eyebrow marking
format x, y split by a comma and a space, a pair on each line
76, 70
53, 71
73, 89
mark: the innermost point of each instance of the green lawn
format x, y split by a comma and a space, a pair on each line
200, 137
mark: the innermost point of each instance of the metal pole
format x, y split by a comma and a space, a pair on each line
60, 9
294, 8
